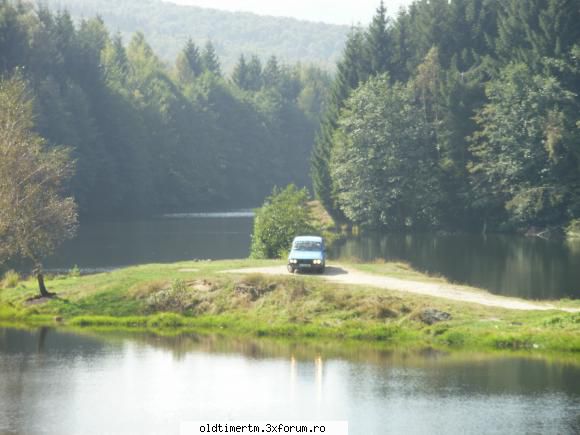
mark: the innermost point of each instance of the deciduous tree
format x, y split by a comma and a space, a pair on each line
524, 151
384, 166
284, 215
35, 215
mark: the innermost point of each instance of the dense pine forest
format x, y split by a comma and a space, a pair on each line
460, 114
149, 137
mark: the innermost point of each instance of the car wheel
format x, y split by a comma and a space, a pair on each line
290, 268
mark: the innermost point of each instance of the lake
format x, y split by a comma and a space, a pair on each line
510, 265
63, 383
526, 267
164, 239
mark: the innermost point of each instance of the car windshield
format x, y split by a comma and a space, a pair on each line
307, 246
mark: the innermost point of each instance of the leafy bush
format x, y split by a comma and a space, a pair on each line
11, 279
284, 215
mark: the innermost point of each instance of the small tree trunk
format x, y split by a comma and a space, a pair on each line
43, 291
41, 286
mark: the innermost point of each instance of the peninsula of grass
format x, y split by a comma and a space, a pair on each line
200, 297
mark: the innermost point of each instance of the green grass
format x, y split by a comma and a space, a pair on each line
173, 298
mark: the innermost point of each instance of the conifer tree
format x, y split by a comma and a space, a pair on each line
210, 60
271, 73
240, 73
254, 74
352, 70
188, 63
378, 42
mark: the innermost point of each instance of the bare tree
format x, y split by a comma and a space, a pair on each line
35, 217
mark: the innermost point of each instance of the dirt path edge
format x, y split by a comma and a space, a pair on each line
344, 275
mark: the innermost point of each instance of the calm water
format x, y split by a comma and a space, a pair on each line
171, 238
54, 382
531, 268
527, 267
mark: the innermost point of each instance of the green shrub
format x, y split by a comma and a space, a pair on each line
75, 272
455, 338
11, 279
284, 215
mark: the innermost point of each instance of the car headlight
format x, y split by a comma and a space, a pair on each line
317, 261
293, 261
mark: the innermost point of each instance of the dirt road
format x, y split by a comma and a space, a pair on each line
344, 275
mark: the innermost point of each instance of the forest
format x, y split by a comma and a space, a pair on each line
168, 26
456, 115
148, 137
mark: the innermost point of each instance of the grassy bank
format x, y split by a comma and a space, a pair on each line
197, 296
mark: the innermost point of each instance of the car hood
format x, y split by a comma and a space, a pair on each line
306, 255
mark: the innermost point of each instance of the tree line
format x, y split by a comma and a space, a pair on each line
460, 114
168, 26
150, 137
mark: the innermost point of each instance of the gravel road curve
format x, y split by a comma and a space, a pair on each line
344, 275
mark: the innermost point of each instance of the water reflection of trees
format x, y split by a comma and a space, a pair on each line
33, 362
526, 267
364, 371
37, 341
499, 370
370, 353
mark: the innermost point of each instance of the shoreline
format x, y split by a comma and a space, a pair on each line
193, 297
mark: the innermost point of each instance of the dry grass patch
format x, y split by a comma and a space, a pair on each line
10, 279
143, 290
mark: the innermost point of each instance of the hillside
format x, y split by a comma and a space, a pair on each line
168, 26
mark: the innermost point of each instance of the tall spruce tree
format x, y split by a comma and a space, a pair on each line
254, 74
378, 42
188, 63
272, 74
352, 70
210, 60
240, 73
